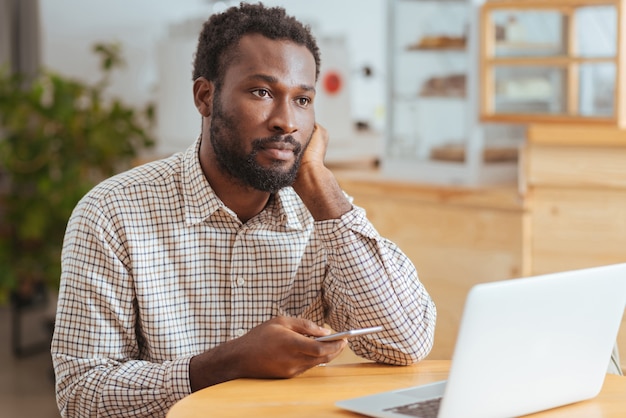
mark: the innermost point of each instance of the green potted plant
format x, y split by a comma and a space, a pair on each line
58, 138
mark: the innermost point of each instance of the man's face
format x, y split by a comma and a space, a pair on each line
263, 117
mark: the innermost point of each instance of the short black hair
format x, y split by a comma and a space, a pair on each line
222, 31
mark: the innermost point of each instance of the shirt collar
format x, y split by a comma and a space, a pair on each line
201, 202
286, 209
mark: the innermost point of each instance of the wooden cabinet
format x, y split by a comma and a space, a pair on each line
577, 201
575, 181
553, 61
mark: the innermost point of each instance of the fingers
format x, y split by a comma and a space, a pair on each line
320, 130
297, 346
321, 136
314, 353
318, 351
304, 326
316, 149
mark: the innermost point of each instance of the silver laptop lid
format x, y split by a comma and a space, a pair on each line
530, 344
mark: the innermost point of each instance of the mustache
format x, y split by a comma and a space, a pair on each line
261, 143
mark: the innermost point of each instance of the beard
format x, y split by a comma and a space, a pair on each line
244, 168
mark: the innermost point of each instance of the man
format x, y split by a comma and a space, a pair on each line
224, 261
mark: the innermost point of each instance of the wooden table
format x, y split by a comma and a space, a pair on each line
314, 393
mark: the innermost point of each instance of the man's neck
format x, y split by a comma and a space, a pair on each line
245, 203
244, 200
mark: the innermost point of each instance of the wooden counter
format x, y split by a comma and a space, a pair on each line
568, 212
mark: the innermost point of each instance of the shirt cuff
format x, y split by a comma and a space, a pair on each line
350, 227
178, 383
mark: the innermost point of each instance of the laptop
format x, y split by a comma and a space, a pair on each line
524, 345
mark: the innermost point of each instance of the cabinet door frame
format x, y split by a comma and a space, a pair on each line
569, 62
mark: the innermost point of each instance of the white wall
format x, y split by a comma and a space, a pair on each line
71, 27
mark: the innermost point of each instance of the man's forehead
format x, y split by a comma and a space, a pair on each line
255, 53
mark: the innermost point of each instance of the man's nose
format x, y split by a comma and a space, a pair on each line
283, 118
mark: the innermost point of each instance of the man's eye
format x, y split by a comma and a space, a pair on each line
261, 93
303, 101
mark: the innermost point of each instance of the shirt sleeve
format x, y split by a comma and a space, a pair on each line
95, 350
371, 282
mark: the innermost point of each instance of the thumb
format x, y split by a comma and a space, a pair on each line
307, 327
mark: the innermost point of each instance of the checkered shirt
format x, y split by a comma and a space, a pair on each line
156, 269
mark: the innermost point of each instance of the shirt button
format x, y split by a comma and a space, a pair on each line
240, 281
240, 332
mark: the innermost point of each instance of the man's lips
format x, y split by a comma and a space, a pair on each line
278, 150
279, 146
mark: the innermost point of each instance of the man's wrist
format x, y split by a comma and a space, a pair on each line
321, 193
215, 366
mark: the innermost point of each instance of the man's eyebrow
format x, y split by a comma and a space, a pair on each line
273, 80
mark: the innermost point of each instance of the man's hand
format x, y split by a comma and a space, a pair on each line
279, 348
316, 151
316, 185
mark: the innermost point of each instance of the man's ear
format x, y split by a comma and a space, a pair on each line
203, 91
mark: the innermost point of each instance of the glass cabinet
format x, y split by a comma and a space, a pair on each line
433, 134
552, 61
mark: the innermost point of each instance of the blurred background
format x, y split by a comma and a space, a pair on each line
158, 39
492, 139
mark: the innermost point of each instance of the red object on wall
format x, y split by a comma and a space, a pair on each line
332, 82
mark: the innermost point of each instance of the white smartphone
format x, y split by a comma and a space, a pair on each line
350, 333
